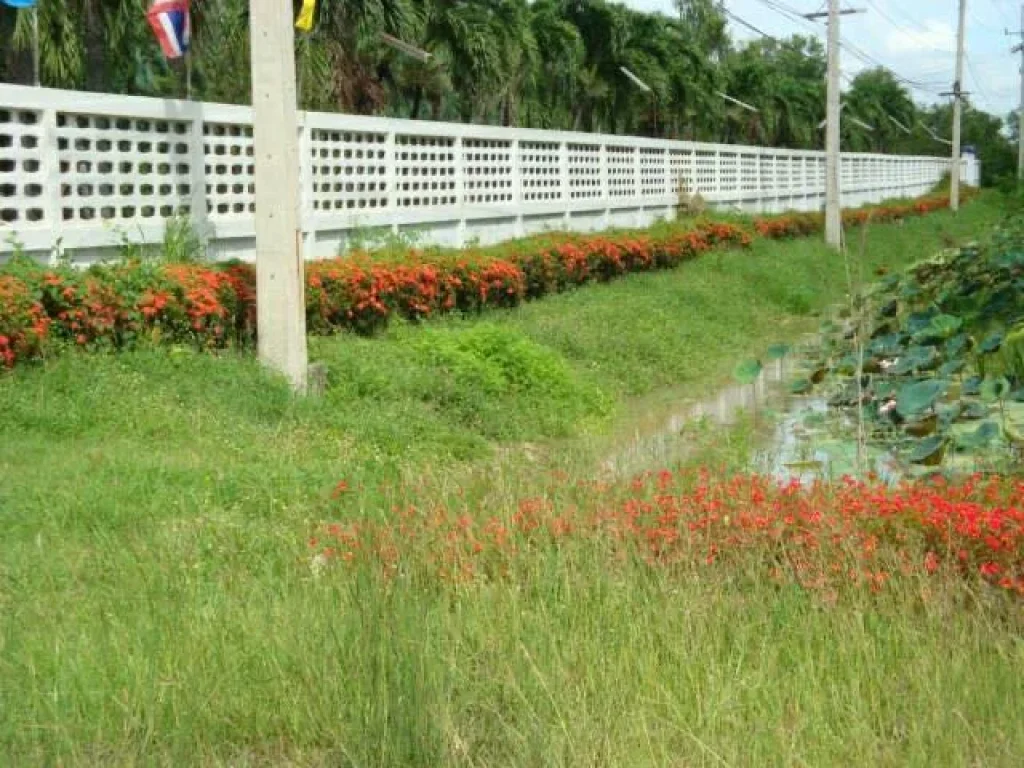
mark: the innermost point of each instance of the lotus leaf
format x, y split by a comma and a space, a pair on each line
922, 427
986, 432
957, 345
889, 345
929, 451
918, 397
919, 321
972, 386
948, 369
973, 410
916, 359
991, 343
993, 389
946, 326
910, 291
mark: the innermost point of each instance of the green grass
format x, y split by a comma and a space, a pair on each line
157, 604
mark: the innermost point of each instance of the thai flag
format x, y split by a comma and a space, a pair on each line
170, 22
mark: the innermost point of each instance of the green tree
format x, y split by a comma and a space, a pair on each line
785, 81
877, 98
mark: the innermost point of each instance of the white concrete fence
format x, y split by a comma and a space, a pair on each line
85, 172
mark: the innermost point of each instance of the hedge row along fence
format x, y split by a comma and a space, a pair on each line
214, 306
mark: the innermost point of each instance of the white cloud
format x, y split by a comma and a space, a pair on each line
931, 36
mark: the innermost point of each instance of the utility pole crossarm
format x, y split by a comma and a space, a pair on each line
825, 14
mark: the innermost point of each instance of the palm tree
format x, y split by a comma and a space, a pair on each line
344, 59
548, 94
874, 97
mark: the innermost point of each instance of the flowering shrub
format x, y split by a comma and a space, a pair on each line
821, 536
792, 225
23, 321
214, 306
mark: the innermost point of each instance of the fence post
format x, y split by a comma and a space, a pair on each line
667, 167
638, 217
759, 194
563, 179
517, 188
604, 186
198, 206
306, 187
49, 168
460, 192
391, 180
716, 185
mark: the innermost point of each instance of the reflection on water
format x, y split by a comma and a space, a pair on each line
660, 437
793, 453
815, 442
809, 440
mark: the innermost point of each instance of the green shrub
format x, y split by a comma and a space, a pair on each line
481, 370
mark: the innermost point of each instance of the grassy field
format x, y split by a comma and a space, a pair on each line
158, 604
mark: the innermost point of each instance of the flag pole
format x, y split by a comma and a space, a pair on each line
302, 70
304, 23
188, 53
35, 44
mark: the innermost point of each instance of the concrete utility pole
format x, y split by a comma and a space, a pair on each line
281, 320
833, 201
954, 182
1019, 48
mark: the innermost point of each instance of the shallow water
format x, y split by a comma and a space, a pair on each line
661, 433
806, 441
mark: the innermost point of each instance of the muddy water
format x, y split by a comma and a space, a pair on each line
664, 433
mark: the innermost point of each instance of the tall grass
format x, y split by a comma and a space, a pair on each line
159, 605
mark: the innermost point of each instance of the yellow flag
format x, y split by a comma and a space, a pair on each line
305, 20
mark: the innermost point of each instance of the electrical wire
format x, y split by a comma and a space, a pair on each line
1002, 13
748, 25
865, 58
982, 92
925, 44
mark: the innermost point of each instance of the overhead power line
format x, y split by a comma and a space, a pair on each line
977, 82
904, 29
794, 15
747, 24
1002, 14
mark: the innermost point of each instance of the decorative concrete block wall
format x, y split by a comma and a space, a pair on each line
84, 172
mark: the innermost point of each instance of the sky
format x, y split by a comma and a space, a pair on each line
914, 38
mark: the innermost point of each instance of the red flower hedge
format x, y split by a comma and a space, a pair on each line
215, 305
802, 224
23, 321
